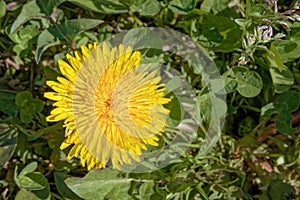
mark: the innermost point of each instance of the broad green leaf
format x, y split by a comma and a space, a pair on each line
65, 31
216, 6
25, 195
2, 8
101, 184
289, 101
182, 6
28, 169
32, 181
61, 186
275, 58
288, 50
29, 11
35, 8
22, 97
8, 142
282, 80
216, 32
47, 6
281, 190
134, 36
102, 6
145, 7
283, 123
249, 82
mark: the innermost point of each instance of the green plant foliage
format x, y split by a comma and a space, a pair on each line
102, 184
8, 142
255, 46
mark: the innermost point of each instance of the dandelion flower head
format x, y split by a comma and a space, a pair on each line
111, 107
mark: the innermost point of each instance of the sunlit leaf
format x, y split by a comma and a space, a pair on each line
101, 184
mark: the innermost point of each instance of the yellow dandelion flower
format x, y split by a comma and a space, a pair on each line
111, 107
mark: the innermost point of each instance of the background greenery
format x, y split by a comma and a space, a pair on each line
256, 46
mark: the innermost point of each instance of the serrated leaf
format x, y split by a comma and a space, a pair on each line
2, 8
103, 6
282, 80
65, 31
249, 82
101, 184
8, 142
182, 6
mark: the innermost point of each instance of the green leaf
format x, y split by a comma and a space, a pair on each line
101, 184
268, 110
182, 6
2, 8
61, 186
249, 82
29, 11
65, 31
176, 110
282, 80
288, 50
289, 101
211, 107
146, 191
145, 7
28, 169
32, 181
216, 32
22, 97
47, 6
102, 6
281, 191
32, 9
8, 105
8, 142
25, 195
283, 123
275, 58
